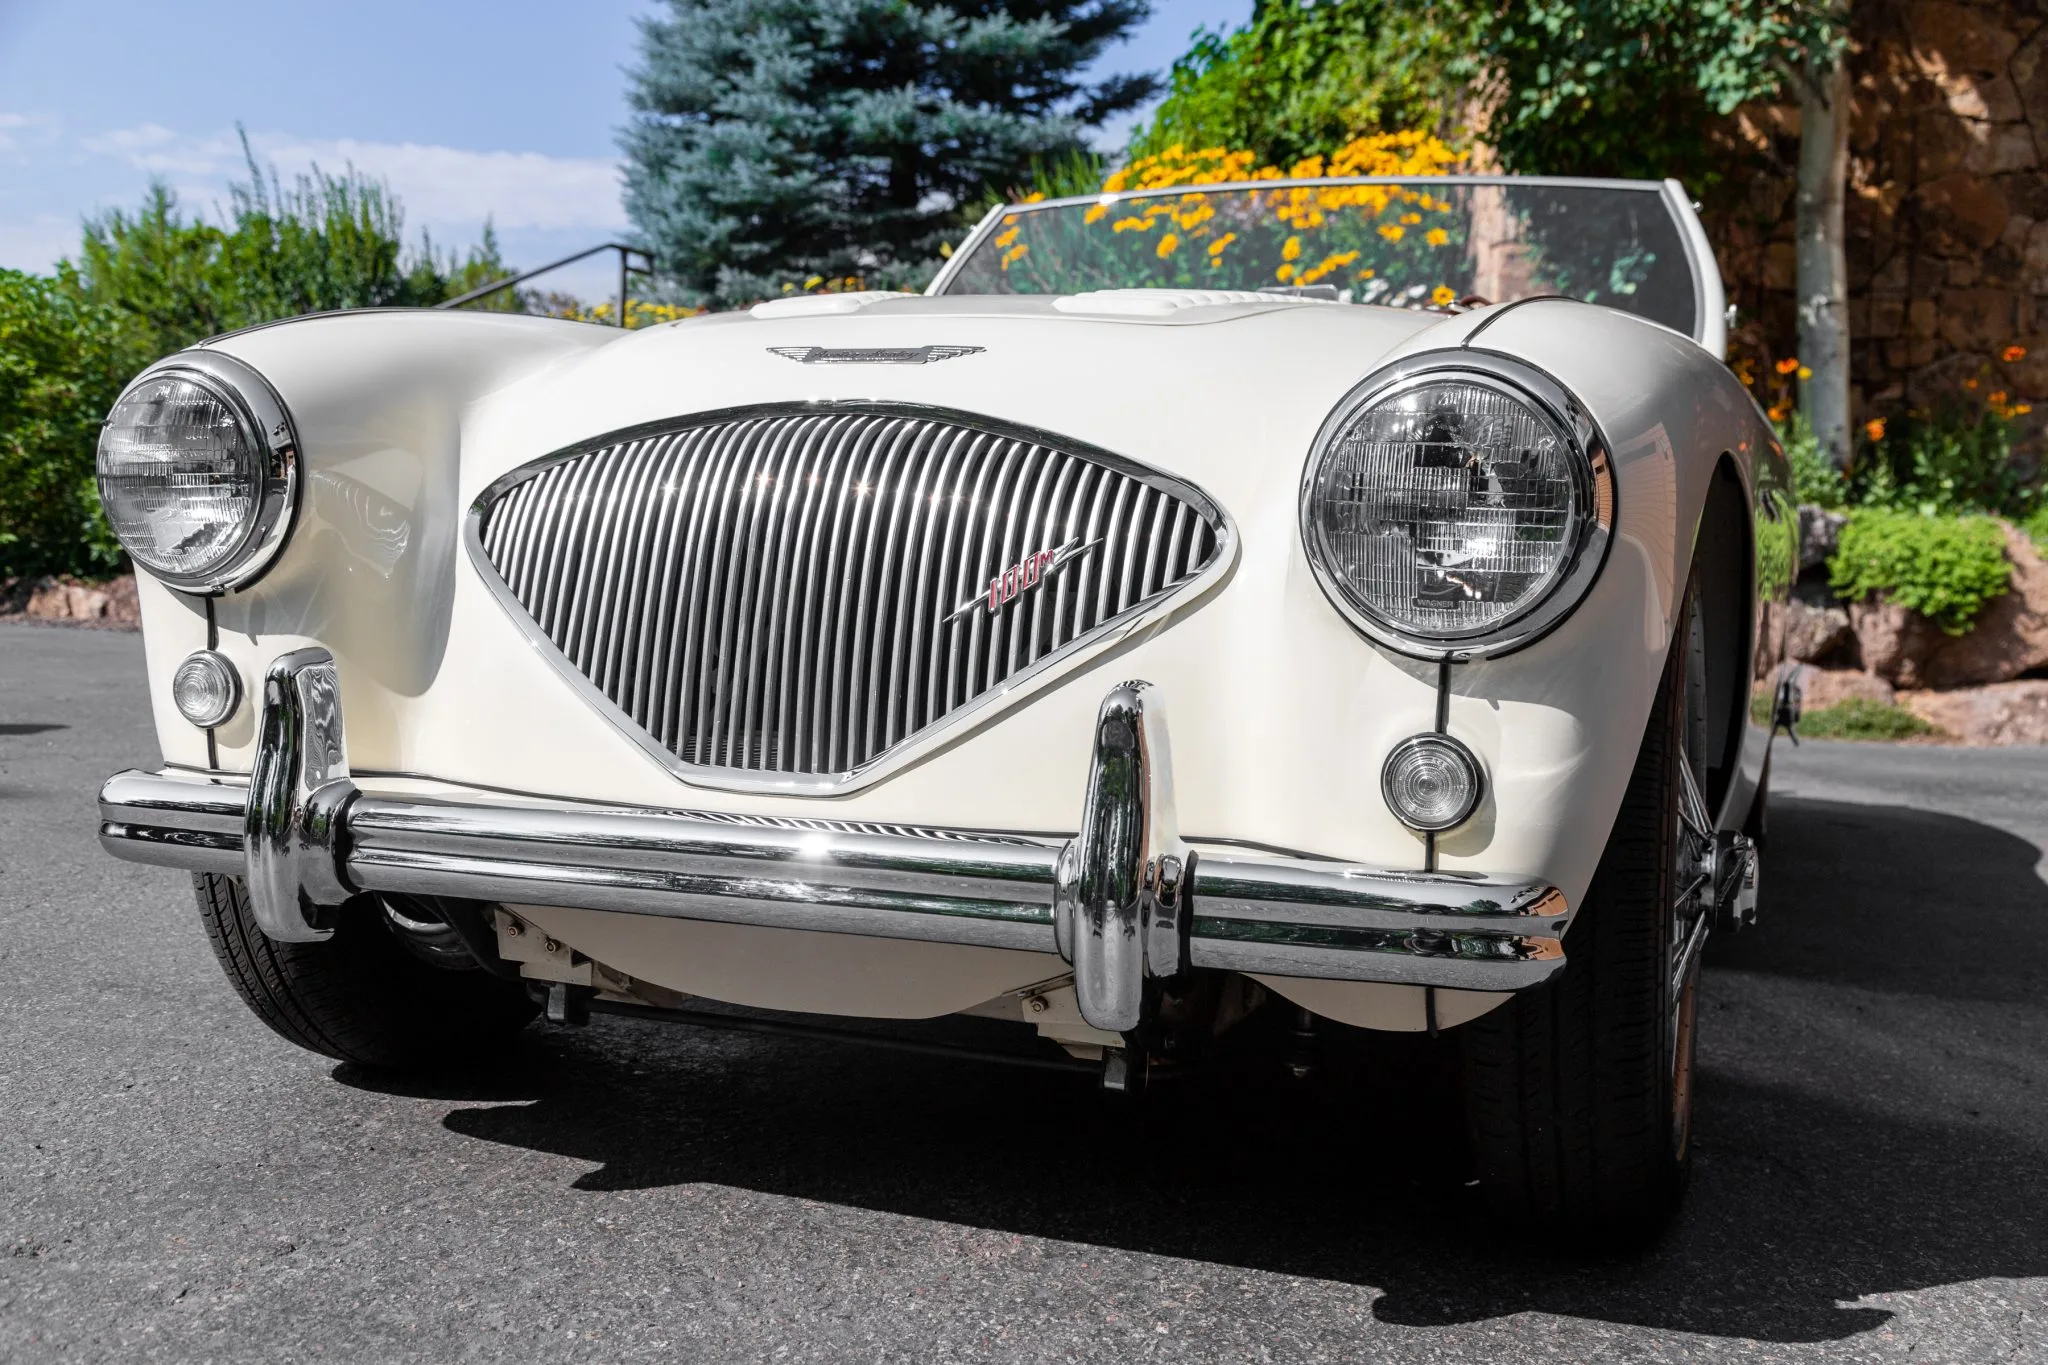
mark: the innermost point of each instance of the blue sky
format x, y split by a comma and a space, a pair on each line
469, 109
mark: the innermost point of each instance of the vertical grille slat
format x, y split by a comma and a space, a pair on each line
798, 593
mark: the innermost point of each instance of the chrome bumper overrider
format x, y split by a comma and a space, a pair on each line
1125, 900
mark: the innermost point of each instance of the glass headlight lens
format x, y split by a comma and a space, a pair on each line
1448, 507
190, 484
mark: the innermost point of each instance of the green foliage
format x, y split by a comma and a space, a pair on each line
1951, 460
1568, 87
1623, 87
325, 242
2036, 527
779, 139
154, 281
1946, 568
1815, 480
1862, 718
60, 369
1306, 76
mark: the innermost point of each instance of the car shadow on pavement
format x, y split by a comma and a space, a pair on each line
1807, 1194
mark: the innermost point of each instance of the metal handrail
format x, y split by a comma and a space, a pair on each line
626, 271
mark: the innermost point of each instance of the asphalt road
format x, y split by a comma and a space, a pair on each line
178, 1184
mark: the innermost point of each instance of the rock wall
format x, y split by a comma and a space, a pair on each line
1947, 209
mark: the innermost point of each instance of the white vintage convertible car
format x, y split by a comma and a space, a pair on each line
1334, 601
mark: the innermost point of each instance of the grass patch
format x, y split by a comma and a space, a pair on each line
1861, 718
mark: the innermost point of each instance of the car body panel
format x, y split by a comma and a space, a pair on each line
1281, 714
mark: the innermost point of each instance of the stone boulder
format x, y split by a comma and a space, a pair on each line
2001, 713
67, 599
1819, 532
2008, 639
1893, 642
1820, 688
1816, 634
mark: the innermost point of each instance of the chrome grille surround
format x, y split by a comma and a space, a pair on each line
771, 598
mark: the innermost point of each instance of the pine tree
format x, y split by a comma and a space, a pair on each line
779, 139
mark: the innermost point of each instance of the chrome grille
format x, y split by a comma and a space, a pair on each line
801, 592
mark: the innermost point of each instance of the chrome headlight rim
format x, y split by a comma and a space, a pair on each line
1593, 494
248, 395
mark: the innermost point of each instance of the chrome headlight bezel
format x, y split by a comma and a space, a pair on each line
263, 415
1593, 503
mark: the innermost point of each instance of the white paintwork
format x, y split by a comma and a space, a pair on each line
1158, 303
787, 969
821, 305
1280, 713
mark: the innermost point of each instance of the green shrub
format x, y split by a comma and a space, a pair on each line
1815, 480
324, 242
1861, 718
1301, 80
1950, 460
154, 281
61, 366
1945, 568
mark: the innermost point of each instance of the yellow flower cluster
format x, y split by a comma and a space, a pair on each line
1301, 208
639, 313
1406, 153
819, 284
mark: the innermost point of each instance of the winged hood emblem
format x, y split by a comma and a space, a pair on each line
1026, 574
872, 355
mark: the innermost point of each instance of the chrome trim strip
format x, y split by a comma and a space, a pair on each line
845, 684
1596, 496
1126, 900
1280, 916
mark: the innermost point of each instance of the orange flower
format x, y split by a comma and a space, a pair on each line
2012, 353
1788, 364
1999, 398
1969, 383
1874, 428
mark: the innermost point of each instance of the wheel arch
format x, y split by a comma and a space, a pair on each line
1723, 572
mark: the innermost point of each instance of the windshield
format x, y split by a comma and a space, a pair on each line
1417, 243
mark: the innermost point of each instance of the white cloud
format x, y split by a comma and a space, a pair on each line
441, 187
453, 185
20, 130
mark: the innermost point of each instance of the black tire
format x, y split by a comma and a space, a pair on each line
360, 996
1578, 1093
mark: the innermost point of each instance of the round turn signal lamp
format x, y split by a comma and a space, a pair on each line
206, 689
1432, 783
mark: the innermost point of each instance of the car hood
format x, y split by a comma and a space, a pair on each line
1226, 390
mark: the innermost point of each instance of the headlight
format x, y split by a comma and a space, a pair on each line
1457, 506
197, 471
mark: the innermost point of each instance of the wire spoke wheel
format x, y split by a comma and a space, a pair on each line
1692, 901
1578, 1093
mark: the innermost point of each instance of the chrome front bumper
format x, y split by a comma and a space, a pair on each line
1124, 900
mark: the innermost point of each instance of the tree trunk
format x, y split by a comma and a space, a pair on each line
1823, 264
